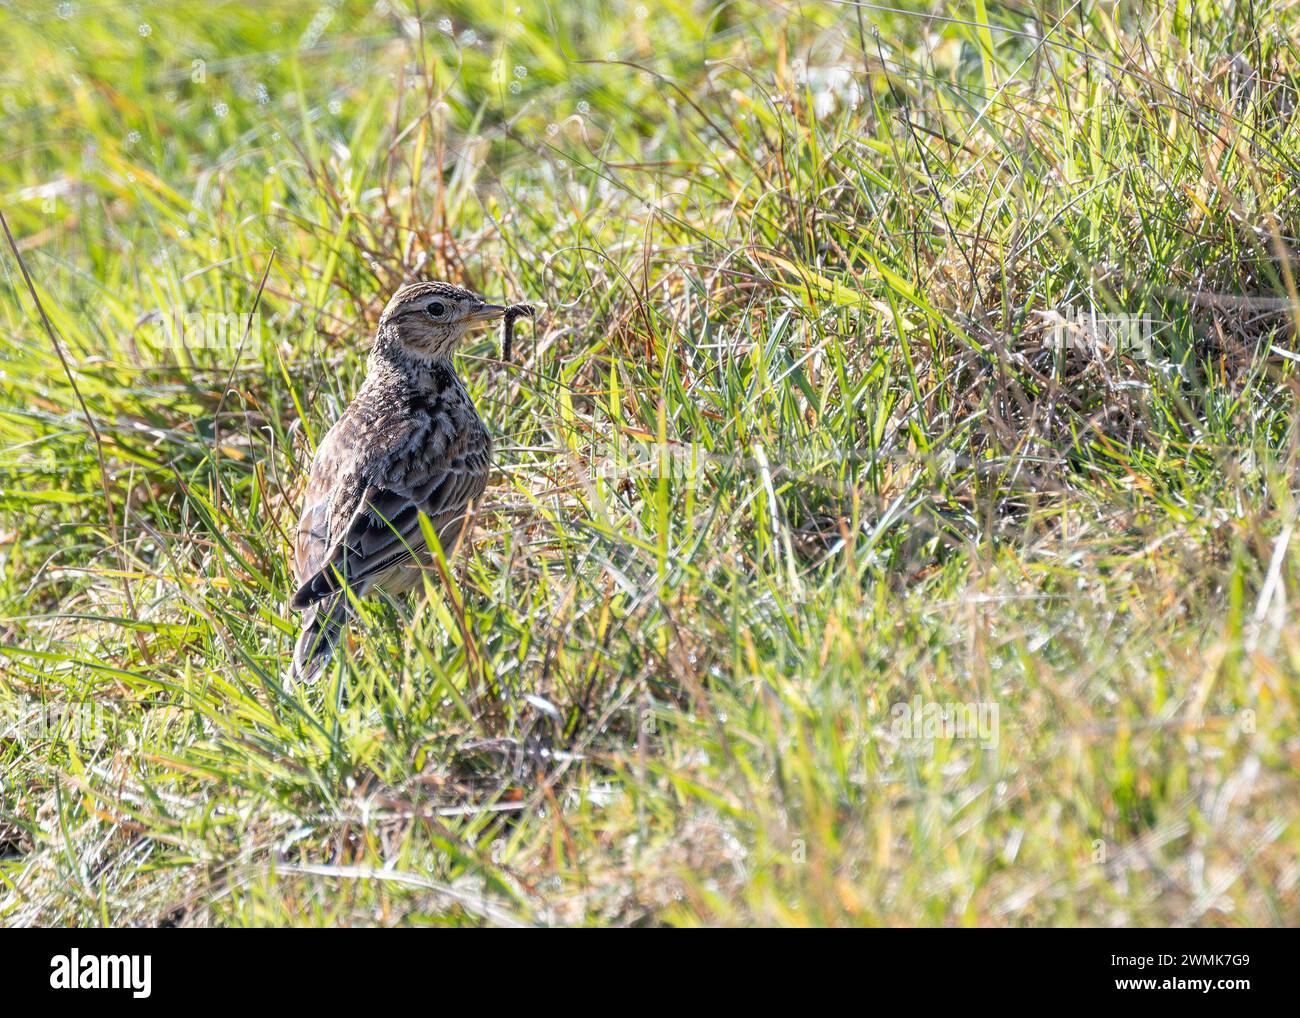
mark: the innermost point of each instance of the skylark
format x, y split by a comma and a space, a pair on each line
411, 442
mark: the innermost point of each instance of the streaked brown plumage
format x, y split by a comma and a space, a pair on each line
411, 442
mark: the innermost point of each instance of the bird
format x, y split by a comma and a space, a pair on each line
411, 442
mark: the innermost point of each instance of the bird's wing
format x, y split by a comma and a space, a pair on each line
383, 528
334, 488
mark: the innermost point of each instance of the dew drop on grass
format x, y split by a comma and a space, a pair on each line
144, 30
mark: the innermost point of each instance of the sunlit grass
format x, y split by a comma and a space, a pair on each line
788, 448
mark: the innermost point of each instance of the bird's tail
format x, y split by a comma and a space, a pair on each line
322, 627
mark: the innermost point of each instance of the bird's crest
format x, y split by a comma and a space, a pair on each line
414, 292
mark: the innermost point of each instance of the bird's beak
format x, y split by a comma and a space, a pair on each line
487, 313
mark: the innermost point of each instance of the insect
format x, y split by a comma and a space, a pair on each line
513, 312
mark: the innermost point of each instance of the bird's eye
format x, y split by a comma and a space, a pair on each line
437, 308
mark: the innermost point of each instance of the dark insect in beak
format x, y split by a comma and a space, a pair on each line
513, 312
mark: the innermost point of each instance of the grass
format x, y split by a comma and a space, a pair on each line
789, 454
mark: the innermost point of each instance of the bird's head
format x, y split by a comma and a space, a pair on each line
428, 320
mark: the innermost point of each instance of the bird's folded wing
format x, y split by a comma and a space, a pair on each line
384, 529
